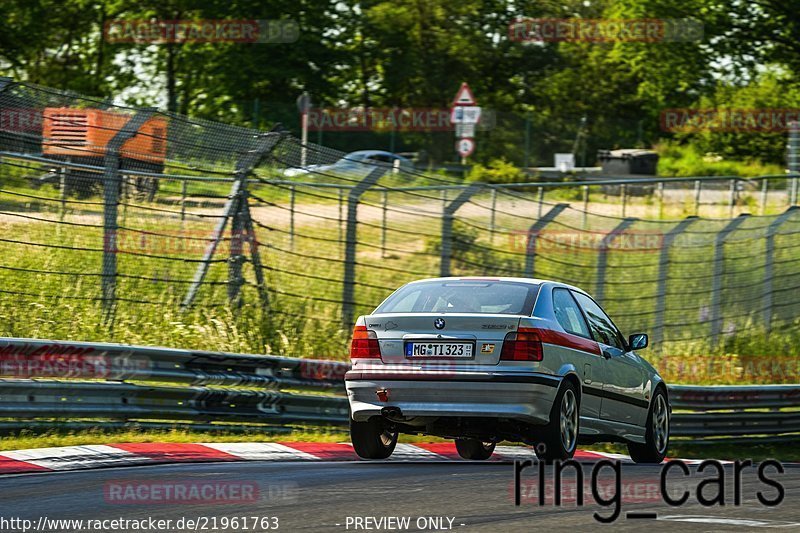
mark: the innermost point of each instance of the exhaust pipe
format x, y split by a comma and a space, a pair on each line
392, 413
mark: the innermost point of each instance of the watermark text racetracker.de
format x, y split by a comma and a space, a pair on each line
764, 120
643, 30
709, 483
424, 119
201, 31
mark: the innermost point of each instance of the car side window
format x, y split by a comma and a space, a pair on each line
603, 330
568, 314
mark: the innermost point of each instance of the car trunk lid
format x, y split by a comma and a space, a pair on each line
422, 338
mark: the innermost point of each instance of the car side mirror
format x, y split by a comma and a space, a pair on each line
638, 341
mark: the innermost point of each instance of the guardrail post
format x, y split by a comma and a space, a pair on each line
716, 284
533, 232
663, 265
349, 278
769, 262
111, 189
238, 209
602, 256
447, 225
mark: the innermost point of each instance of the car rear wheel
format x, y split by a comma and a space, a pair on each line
373, 439
474, 449
656, 436
560, 435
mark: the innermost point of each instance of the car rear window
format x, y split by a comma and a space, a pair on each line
462, 296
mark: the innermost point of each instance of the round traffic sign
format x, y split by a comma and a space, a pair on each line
465, 146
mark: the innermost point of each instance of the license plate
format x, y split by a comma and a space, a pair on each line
439, 349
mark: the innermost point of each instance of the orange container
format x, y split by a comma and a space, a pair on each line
86, 132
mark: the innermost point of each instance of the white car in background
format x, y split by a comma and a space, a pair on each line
357, 163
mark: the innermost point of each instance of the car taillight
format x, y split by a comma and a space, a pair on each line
522, 345
365, 344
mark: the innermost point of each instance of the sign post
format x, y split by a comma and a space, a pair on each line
465, 114
303, 105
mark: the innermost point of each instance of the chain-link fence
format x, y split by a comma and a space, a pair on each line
159, 227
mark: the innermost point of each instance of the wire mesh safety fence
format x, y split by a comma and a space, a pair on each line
113, 212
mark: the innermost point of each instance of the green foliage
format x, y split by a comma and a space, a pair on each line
496, 171
769, 91
676, 159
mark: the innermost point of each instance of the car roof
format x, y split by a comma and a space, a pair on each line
529, 281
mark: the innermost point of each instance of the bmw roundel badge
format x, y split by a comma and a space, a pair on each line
438, 323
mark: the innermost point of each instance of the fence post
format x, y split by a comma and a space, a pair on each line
716, 283
241, 221
769, 262
585, 205
533, 233
697, 189
236, 256
111, 189
732, 199
5, 83
793, 160
661, 291
384, 205
602, 256
184, 191
291, 217
623, 191
492, 216
240, 214
341, 218
349, 281
660, 199
541, 201
764, 188
447, 225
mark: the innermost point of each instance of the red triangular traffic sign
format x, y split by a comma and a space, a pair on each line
464, 96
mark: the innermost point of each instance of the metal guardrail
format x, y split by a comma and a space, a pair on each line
78, 385
732, 414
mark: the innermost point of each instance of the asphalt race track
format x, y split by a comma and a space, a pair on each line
433, 496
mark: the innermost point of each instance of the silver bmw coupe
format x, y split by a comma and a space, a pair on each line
481, 360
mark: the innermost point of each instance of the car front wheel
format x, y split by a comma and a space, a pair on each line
656, 437
373, 439
474, 449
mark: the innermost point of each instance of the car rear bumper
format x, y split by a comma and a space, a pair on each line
526, 397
